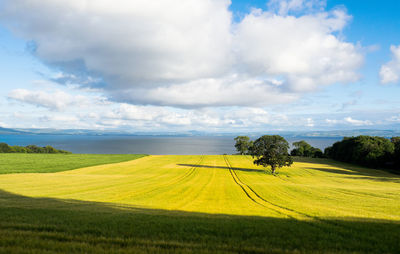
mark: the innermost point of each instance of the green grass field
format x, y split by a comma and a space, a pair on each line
49, 163
208, 204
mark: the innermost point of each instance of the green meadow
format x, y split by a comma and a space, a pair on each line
48, 163
194, 204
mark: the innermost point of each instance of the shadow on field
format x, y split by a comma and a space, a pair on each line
55, 225
362, 175
221, 167
349, 169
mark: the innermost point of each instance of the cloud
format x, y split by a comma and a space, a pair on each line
3, 125
188, 54
302, 50
310, 122
395, 119
357, 122
230, 91
59, 118
331, 121
349, 120
390, 72
56, 100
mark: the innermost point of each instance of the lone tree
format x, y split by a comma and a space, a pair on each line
242, 144
271, 150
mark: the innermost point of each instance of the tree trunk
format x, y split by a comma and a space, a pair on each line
273, 169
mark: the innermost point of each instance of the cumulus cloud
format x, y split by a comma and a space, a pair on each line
56, 100
302, 50
390, 72
191, 53
230, 91
126, 41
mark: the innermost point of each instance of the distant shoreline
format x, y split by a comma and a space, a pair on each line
155, 145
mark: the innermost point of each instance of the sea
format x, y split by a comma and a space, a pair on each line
118, 144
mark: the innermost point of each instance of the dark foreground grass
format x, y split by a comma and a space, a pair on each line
43, 225
50, 163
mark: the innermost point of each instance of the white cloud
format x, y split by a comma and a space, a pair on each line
57, 100
309, 122
188, 54
230, 91
151, 117
395, 119
3, 125
357, 122
390, 72
302, 50
54, 100
129, 41
349, 120
59, 118
331, 121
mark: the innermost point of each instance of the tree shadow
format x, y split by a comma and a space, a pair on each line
71, 226
222, 167
349, 169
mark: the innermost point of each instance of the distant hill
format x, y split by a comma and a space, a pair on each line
11, 131
349, 133
295, 134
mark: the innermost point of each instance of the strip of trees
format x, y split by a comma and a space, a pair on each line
244, 146
369, 151
5, 148
374, 152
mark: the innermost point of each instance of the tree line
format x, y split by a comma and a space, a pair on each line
5, 148
369, 151
244, 146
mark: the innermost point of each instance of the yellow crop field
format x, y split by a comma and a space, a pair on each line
320, 193
222, 184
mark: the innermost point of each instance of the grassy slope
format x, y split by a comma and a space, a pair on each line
313, 207
48, 163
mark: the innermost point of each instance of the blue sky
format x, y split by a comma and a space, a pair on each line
204, 65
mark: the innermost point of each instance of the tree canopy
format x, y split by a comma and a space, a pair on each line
303, 149
271, 150
243, 144
364, 150
5, 148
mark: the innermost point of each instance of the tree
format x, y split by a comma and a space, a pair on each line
34, 149
242, 144
364, 150
317, 153
19, 149
4, 148
396, 155
302, 148
271, 150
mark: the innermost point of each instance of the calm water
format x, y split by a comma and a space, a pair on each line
142, 144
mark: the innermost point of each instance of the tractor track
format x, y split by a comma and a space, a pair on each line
249, 191
347, 231
175, 181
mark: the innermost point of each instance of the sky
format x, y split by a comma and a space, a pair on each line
205, 65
